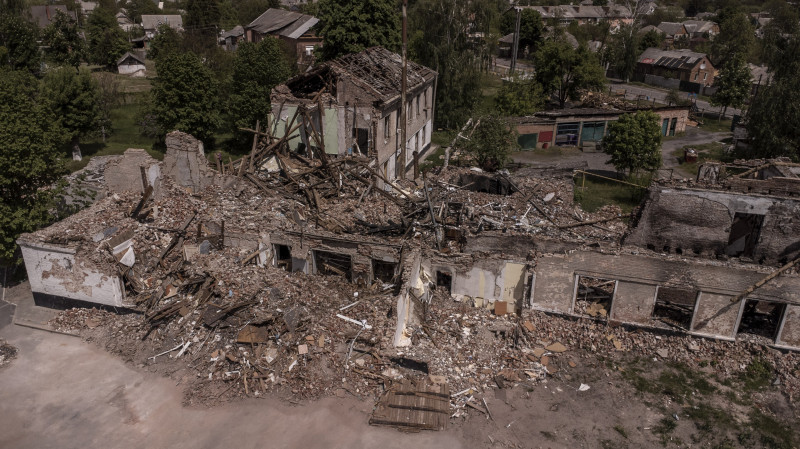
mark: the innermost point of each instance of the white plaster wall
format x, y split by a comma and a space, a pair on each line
478, 282
126, 69
54, 271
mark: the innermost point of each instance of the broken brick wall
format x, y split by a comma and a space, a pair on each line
125, 173
637, 277
185, 162
695, 221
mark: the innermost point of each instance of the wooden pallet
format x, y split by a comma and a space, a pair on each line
414, 406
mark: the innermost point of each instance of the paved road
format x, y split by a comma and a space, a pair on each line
572, 157
659, 94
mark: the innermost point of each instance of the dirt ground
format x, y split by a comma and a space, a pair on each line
63, 392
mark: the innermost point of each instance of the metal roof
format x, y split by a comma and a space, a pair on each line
283, 23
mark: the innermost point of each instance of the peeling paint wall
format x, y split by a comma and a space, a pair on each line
58, 272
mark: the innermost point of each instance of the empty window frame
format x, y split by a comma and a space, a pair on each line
594, 297
283, 256
383, 271
745, 230
387, 126
444, 280
761, 318
327, 263
675, 306
567, 134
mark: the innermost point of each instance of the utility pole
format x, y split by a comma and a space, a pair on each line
515, 47
403, 108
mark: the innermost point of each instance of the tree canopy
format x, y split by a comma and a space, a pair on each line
531, 28
733, 84
634, 142
519, 97
736, 38
63, 42
257, 68
18, 47
563, 70
439, 42
107, 42
167, 41
74, 97
491, 143
29, 158
185, 97
775, 111
135, 8
350, 26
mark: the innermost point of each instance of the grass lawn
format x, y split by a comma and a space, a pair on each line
711, 123
713, 151
124, 134
491, 85
594, 193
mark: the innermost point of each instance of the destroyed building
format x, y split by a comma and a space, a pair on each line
312, 267
353, 105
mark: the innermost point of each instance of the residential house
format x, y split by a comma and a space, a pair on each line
673, 32
87, 8
293, 28
229, 40
44, 15
759, 77
354, 103
586, 127
295, 5
131, 64
151, 22
681, 66
124, 22
701, 28
615, 15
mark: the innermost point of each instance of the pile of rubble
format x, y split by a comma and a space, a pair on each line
7, 353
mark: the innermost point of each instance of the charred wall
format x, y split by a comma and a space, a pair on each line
705, 222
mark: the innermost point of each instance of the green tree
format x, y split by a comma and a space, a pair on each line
249, 10
774, 114
74, 97
185, 97
634, 142
736, 38
107, 42
135, 8
30, 160
202, 25
63, 42
18, 47
650, 39
439, 42
564, 71
625, 51
530, 31
519, 97
350, 26
257, 68
491, 143
733, 84
166, 42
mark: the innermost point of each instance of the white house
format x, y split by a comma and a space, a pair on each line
130, 64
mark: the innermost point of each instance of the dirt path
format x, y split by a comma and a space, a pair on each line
63, 393
693, 136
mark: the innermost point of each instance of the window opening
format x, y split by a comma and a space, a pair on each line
675, 306
594, 297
